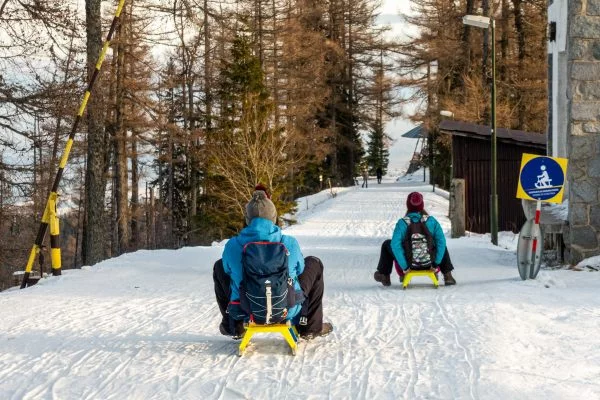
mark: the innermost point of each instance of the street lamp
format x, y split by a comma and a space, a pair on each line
482, 22
449, 114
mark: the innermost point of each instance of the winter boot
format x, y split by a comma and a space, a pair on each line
325, 330
449, 279
383, 278
238, 329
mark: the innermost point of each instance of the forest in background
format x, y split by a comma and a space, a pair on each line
448, 66
200, 100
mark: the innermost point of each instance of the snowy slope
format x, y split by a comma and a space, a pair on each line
145, 325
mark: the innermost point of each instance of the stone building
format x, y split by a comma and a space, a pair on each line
574, 117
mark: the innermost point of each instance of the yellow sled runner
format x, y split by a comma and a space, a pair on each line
287, 330
432, 274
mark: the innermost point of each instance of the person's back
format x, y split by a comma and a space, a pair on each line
396, 248
262, 230
403, 244
306, 274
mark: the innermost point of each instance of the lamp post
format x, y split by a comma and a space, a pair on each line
449, 114
482, 22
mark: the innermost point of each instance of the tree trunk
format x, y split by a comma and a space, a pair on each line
504, 41
486, 46
207, 69
151, 222
520, 28
110, 128
259, 24
120, 155
135, 181
466, 34
275, 64
348, 175
94, 228
78, 229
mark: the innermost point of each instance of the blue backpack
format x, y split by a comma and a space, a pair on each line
266, 291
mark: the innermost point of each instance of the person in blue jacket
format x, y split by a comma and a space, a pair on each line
392, 250
307, 273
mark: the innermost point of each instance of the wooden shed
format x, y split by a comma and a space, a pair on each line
471, 161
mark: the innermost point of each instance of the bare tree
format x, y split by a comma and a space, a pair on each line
97, 155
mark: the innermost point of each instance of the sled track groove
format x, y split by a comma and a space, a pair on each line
95, 394
409, 347
473, 370
234, 360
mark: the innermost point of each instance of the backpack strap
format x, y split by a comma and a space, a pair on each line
264, 242
406, 241
430, 241
408, 220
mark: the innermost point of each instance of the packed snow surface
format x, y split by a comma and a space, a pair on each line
145, 325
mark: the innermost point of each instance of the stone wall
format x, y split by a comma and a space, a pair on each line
583, 90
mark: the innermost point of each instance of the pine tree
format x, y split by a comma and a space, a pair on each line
377, 152
381, 95
247, 148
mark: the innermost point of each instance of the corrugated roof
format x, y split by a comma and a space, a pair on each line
467, 129
416, 132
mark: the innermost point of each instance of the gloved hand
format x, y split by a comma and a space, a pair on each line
234, 309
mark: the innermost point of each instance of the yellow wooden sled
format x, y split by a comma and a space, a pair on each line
287, 330
412, 273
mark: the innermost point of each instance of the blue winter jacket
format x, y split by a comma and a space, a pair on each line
400, 232
261, 229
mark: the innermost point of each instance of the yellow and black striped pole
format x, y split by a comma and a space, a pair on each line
50, 216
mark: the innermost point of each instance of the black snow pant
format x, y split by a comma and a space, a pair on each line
311, 282
386, 259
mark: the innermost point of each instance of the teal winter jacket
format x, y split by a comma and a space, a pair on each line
400, 230
261, 229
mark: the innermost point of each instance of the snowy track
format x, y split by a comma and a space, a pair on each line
145, 325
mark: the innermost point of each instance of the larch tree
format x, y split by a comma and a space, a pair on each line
94, 240
447, 67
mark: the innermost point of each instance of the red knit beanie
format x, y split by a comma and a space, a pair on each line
262, 187
414, 202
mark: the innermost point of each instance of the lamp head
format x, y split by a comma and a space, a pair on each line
478, 21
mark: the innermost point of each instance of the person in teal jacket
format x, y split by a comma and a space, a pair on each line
392, 251
307, 273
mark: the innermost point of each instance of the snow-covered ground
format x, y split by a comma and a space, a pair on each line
145, 325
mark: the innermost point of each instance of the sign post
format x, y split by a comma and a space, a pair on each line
541, 179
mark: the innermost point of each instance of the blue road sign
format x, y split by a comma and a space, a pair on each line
542, 178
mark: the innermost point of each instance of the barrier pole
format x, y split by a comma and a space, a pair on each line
535, 233
50, 217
